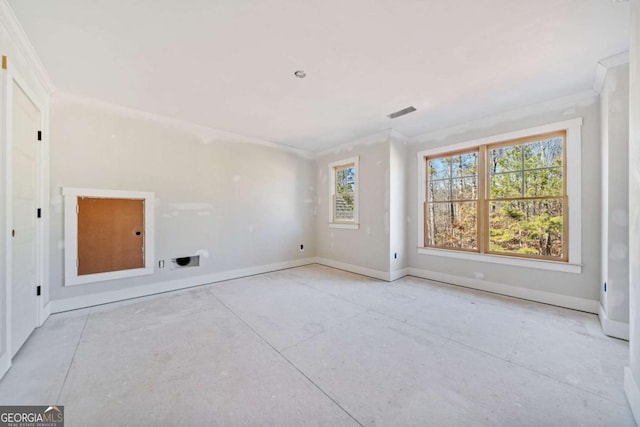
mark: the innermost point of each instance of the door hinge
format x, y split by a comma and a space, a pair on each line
39, 213
39, 135
38, 290
77, 209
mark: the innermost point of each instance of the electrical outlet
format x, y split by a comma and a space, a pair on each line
161, 263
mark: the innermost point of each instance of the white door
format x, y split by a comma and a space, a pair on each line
24, 228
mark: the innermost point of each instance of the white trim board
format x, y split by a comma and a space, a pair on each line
17, 33
633, 393
398, 274
566, 301
613, 328
74, 303
5, 364
364, 271
603, 66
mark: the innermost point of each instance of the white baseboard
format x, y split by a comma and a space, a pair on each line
613, 328
398, 274
576, 303
5, 364
66, 304
376, 274
633, 393
45, 313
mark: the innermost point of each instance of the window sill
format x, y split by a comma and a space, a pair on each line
505, 260
344, 226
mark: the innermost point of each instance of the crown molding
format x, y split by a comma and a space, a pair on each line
24, 46
586, 97
371, 139
603, 66
203, 132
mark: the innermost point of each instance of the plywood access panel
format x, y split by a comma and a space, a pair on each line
110, 234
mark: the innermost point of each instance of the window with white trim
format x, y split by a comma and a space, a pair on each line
344, 193
504, 197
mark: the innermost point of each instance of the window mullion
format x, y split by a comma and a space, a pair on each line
483, 208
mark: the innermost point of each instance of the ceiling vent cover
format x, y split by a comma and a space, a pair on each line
402, 112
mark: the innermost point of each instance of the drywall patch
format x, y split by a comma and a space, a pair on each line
190, 206
581, 99
56, 204
618, 251
204, 253
236, 178
203, 133
620, 218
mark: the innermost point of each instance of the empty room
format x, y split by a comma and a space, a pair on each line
320, 213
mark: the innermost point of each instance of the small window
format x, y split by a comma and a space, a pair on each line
452, 201
344, 194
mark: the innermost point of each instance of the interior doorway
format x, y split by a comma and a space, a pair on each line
24, 230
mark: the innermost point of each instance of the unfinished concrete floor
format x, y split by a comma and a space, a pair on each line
319, 346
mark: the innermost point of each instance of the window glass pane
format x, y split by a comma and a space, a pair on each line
439, 189
506, 185
344, 207
543, 182
505, 159
531, 227
543, 154
452, 225
464, 188
439, 168
465, 164
346, 180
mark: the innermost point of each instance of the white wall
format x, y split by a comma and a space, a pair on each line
398, 203
368, 246
614, 116
632, 375
239, 205
582, 289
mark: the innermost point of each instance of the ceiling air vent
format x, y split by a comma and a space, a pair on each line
402, 112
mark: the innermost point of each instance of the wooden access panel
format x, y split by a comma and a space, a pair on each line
110, 235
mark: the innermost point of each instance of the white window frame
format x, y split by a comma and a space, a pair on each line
332, 189
71, 195
574, 197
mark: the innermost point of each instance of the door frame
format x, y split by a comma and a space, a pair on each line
41, 102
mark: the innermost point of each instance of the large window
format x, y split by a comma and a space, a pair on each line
506, 197
344, 193
526, 197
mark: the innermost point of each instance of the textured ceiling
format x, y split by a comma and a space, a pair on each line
229, 64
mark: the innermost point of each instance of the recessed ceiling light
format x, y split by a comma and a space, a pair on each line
402, 112
300, 74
